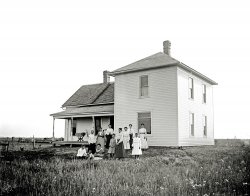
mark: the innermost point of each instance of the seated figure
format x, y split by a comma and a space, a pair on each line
82, 152
99, 152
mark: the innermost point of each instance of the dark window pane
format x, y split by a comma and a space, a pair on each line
144, 81
74, 131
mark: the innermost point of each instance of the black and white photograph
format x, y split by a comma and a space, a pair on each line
113, 98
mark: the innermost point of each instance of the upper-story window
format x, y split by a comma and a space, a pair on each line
191, 88
144, 86
204, 93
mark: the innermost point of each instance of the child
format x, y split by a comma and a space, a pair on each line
136, 146
99, 151
82, 152
91, 156
112, 144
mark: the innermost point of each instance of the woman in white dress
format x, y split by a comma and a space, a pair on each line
136, 146
143, 136
126, 139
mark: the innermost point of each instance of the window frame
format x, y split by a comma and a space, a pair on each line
191, 125
204, 119
204, 93
138, 119
141, 87
191, 89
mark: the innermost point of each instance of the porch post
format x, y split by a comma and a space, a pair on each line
71, 128
93, 122
53, 134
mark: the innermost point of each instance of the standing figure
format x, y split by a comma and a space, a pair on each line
143, 136
100, 138
119, 148
92, 142
131, 135
126, 139
112, 144
108, 135
136, 146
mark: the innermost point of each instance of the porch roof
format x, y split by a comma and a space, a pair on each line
96, 110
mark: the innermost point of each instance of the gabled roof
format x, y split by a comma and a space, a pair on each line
101, 93
158, 60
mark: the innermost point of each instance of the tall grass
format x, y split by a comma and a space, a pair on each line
161, 171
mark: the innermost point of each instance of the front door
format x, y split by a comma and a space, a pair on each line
112, 121
97, 124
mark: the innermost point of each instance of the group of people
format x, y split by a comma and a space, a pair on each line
116, 143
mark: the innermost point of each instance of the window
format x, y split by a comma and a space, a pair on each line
73, 127
204, 125
145, 118
204, 93
143, 86
191, 123
191, 88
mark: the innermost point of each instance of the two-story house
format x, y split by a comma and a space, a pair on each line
172, 100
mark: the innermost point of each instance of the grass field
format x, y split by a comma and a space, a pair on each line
222, 169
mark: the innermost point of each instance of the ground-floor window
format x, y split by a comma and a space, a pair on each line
204, 125
191, 123
145, 118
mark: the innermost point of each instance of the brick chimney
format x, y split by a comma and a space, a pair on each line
106, 77
166, 47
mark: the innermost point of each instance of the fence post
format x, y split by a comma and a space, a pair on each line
33, 142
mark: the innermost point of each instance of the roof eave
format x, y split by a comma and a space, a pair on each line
114, 73
182, 65
74, 106
191, 70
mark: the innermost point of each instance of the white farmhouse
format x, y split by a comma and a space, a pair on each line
172, 100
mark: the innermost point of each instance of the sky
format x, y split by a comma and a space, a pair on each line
48, 49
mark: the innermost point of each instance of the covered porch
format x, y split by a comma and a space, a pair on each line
81, 120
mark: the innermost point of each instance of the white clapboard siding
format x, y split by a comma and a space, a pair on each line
162, 103
84, 124
186, 105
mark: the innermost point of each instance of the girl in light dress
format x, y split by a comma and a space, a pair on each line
143, 136
112, 144
126, 139
136, 146
100, 138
